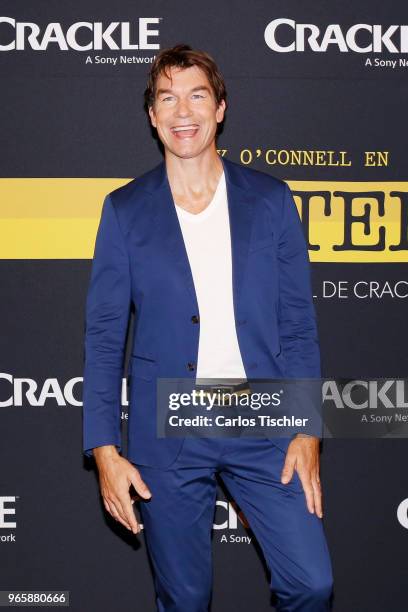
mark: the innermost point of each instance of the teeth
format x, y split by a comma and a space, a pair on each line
185, 128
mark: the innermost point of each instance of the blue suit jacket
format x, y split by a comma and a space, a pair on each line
140, 257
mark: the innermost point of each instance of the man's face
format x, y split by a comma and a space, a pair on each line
185, 101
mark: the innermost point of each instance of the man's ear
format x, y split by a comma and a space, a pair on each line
152, 116
220, 111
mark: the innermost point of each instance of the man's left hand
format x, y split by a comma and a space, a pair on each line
303, 455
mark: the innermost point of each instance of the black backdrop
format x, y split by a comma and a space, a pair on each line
64, 118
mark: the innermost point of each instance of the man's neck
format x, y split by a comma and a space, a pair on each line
193, 181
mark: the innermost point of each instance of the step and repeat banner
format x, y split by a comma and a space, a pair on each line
317, 96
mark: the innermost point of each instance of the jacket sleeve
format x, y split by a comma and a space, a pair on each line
106, 320
297, 322
297, 317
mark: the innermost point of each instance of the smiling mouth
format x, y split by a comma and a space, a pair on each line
185, 131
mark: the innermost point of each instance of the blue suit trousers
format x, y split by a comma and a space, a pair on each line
178, 522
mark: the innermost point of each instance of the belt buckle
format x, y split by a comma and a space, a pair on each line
224, 389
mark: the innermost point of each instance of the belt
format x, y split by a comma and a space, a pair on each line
237, 390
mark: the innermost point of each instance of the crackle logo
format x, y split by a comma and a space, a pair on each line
286, 36
7, 518
402, 513
366, 394
22, 391
230, 516
27, 391
140, 35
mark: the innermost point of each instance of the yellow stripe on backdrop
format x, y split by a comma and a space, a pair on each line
51, 218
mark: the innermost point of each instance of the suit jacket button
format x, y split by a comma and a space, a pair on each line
190, 366
194, 319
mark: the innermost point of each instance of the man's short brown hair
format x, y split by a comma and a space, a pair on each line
183, 56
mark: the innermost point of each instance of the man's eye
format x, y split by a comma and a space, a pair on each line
168, 98
199, 95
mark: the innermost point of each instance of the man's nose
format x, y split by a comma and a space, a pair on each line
183, 108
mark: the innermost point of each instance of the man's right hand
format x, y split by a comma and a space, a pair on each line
116, 474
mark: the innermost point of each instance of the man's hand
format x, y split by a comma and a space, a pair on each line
116, 474
303, 455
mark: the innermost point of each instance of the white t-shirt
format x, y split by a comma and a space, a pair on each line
208, 244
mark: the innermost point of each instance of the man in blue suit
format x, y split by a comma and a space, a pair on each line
213, 257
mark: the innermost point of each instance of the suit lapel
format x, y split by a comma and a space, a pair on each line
240, 208
170, 236
241, 212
